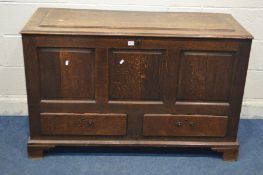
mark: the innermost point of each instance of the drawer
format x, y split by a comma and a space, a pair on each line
83, 124
184, 125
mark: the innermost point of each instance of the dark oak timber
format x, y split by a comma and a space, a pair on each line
150, 79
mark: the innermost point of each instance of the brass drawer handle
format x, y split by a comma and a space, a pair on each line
179, 124
86, 123
90, 123
192, 124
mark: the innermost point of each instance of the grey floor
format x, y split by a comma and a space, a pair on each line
13, 156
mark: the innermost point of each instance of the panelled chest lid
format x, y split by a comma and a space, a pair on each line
127, 23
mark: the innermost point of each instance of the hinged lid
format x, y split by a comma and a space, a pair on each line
131, 23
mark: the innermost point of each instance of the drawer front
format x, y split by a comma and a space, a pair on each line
184, 125
83, 124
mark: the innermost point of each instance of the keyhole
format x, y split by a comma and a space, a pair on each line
122, 61
66, 62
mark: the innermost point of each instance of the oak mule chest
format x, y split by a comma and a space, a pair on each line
151, 79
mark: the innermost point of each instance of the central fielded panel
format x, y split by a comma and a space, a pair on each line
115, 78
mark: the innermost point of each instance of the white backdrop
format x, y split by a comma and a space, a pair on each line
15, 13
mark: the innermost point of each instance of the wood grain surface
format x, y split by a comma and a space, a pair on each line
132, 23
114, 78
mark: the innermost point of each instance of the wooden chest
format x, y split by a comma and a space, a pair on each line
113, 78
